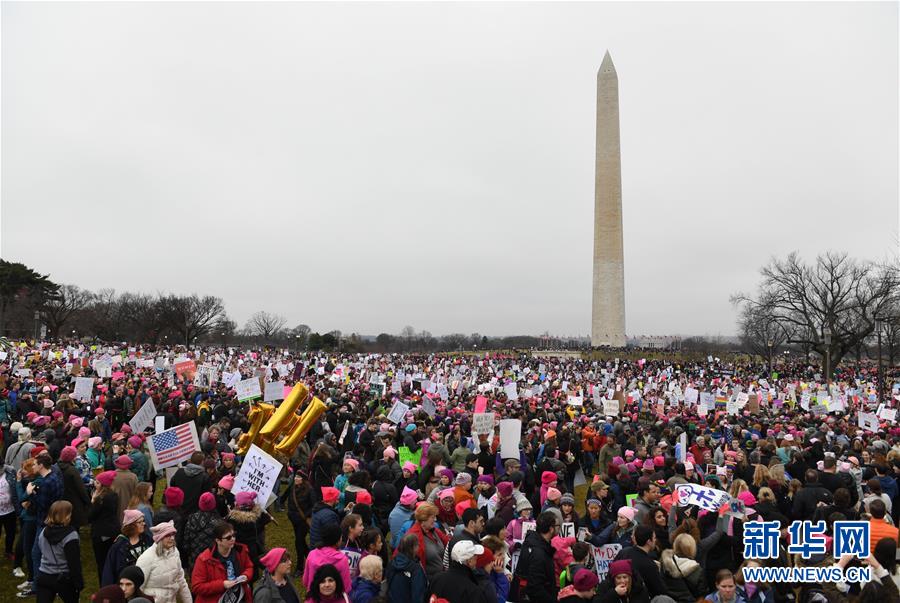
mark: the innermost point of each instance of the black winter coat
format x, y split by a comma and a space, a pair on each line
103, 515
74, 492
458, 584
198, 533
542, 585
808, 498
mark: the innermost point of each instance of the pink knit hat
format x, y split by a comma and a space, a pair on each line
245, 499
131, 516
627, 512
271, 559
408, 496
553, 494
409, 466
161, 530
227, 482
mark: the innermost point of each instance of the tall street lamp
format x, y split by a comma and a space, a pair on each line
826, 335
878, 323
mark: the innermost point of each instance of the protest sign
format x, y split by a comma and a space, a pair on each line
483, 423
185, 370
709, 499
888, 414
259, 473
690, 396
707, 401
144, 417
567, 530
611, 408
248, 389
159, 423
576, 401
527, 526
84, 388
274, 391
603, 556
480, 404
173, 446
397, 412
406, 455
868, 421
510, 436
681, 448
511, 391
428, 406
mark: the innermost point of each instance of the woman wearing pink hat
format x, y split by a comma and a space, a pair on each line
619, 531
164, 578
276, 577
249, 521
198, 528
340, 482
130, 544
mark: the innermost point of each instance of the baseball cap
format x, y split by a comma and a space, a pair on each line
465, 550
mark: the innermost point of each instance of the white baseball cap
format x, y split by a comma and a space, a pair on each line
465, 550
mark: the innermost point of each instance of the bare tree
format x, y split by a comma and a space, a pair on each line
265, 325
191, 316
143, 313
761, 331
59, 309
835, 298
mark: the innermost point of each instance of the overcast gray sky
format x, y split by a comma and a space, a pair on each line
366, 166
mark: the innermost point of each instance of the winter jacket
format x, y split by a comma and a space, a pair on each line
606, 592
458, 584
198, 533
322, 515
266, 591
248, 530
61, 554
398, 516
75, 493
163, 576
644, 565
121, 555
364, 590
684, 579
437, 539
124, 485
326, 555
406, 580
209, 574
50, 491
140, 466
194, 481
536, 568
808, 498
103, 517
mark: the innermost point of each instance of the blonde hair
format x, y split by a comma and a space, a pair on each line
776, 473
766, 495
369, 566
737, 486
760, 476
685, 546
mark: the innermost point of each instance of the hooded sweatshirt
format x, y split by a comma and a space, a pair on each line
61, 553
326, 555
194, 481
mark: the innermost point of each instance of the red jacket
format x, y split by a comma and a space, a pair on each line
208, 577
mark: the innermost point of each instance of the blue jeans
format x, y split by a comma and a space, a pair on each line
36, 550
29, 528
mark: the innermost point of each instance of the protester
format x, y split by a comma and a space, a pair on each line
59, 573
406, 580
223, 571
130, 581
127, 547
275, 585
164, 577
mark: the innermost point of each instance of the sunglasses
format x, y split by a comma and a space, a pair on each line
229, 537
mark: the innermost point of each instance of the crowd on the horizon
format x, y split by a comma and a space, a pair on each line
419, 508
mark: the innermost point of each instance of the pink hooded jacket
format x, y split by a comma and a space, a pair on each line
326, 555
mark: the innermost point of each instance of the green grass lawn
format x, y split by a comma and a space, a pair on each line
280, 534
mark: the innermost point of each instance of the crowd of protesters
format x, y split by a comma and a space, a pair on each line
421, 509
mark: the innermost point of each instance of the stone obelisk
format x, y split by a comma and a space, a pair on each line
608, 308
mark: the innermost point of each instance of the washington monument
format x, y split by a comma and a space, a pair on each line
608, 308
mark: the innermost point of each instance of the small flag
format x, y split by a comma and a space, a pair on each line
174, 445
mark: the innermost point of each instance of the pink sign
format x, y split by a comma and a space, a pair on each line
480, 404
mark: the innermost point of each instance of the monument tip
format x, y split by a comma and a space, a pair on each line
607, 64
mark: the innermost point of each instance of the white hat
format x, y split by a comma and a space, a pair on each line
465, 550
689, 466
789, 437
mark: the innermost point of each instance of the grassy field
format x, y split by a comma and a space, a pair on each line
280, 534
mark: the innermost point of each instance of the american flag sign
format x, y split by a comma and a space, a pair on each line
172, 446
